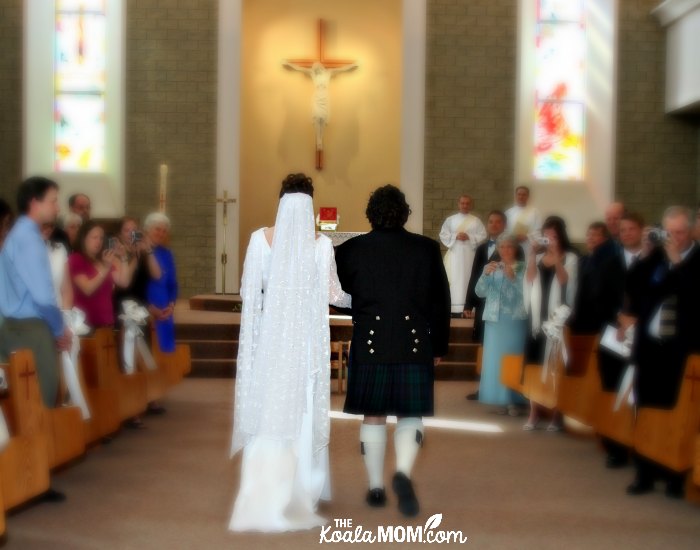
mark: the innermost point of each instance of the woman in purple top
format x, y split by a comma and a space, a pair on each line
95, 268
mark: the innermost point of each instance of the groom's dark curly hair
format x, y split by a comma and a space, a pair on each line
297, 183
387, 208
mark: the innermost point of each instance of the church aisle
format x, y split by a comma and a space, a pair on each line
172, 486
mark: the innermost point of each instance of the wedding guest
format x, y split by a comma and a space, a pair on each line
58, 260
613, 216
550, 281
665, 309
600, 283
161, 293
505, 320
7, 218
610, 365
485, 253
32, 320
143, 265
71, 227
95, 271
81, 205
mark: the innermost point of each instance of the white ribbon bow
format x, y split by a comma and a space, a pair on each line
554, 331
626, 390
74, 319
134, 317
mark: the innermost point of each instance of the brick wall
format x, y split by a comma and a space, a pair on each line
171, 117
10, 97
657, 155
470, 110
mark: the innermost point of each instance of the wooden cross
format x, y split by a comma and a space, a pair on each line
26, 374
333, 66
693, 378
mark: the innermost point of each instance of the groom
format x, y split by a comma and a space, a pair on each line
401, 318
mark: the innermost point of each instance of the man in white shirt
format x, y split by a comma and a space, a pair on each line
461, 234
613, 219
523, 218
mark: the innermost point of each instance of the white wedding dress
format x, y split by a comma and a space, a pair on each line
282, 397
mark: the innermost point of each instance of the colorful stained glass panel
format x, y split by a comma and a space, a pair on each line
79, 133
560, 10
559, 140
560, 65
80, 5
80, 53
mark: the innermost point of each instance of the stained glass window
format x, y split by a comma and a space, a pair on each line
79, 86
560, 90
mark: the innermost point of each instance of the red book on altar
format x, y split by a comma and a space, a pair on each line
328, 214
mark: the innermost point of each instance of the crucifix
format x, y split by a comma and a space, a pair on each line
320, 70
224, 257
26, 374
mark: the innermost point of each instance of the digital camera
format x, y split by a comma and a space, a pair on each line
136, 236
657, 236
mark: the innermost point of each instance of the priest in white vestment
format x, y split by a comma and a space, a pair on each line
461, 234
523, 219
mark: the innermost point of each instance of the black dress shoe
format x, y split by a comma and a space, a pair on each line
473, 396
639, 487
376, 498
155, 410
53, 496
674, 489
408, 503
614, 462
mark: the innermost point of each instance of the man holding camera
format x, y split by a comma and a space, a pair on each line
664, 304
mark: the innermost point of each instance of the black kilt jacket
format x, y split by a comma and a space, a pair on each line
400, 297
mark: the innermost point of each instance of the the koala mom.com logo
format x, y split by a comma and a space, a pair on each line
342, 530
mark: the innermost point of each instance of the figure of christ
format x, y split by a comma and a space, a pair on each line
320, 106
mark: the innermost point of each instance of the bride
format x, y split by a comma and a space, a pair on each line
283, 371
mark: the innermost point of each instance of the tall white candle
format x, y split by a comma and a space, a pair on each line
163, 185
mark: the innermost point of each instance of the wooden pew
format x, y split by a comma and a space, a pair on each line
3, 527
24, 464
512, 372
156, 380
668, 436
176, 365
104, 409
579, 386
63, 426
101, 370
692, 489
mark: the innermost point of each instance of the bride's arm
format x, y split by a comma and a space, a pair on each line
336, 295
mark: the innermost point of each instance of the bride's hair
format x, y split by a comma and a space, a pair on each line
297, 183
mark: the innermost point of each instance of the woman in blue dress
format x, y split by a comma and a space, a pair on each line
161, 293
505, 321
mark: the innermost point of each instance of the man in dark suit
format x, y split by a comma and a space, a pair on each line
610, 365
664, 304
600, 283
401, 322
486, 252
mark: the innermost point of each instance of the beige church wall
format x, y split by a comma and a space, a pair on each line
362, 141
10, 98
470, 118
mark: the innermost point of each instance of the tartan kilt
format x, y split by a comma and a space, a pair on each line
395, 389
